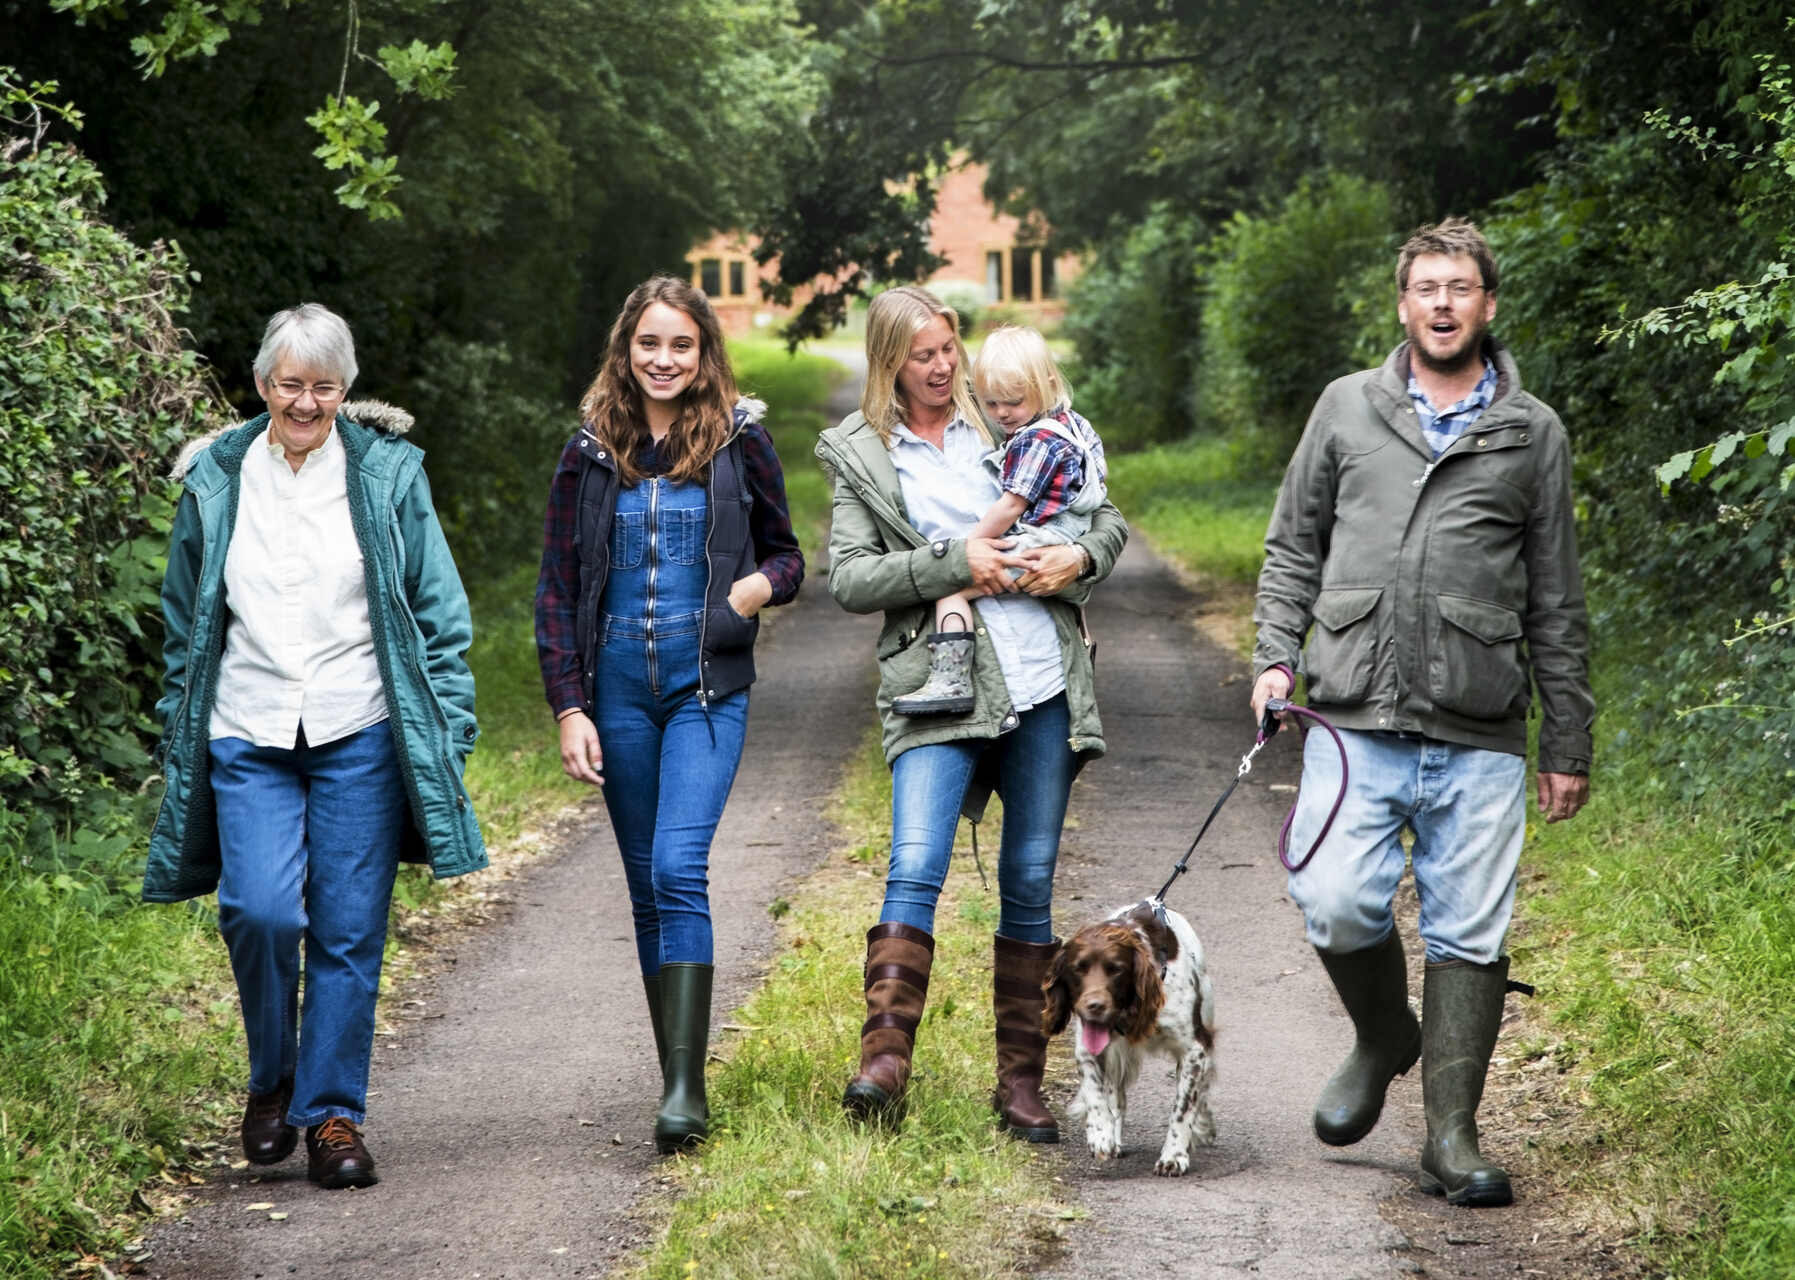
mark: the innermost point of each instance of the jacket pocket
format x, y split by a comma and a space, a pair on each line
1477, 669
1342, 649
726, 631
903, 653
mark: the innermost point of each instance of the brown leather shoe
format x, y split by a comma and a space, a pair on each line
338, 1158
267, 1137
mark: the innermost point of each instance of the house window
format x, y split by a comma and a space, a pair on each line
738, 275
1049, 284
993, 275
710, 276
1022, 275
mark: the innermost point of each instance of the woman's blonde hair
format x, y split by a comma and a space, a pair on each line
612, 407
1015, 364
893, 320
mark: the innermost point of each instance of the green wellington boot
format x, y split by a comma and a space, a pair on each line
651, 987
684, 1118
1461, 1012
1374, 986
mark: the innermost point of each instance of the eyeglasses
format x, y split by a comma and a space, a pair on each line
1428, 290
292, 389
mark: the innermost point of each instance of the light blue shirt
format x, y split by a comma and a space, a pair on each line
946, 491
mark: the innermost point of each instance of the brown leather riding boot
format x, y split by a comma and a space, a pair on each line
1016, 972
897, 982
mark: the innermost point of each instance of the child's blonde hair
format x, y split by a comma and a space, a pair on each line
1015, 364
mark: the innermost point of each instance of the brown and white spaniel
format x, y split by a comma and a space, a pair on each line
1132, 985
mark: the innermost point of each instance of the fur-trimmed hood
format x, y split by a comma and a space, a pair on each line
377, 414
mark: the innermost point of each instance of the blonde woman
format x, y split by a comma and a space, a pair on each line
910, 484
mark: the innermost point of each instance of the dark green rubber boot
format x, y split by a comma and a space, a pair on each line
1461, 1011
684, 1118
1374, 986
651, 987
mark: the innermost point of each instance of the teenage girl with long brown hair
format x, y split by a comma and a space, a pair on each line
667, 533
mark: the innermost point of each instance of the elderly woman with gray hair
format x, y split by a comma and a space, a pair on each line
316, 713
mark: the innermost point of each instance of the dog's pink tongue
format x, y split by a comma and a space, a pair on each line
1093, 1038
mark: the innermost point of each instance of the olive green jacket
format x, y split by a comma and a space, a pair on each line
1442, 592
878, 561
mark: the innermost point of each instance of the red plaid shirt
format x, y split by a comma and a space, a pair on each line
1046, 470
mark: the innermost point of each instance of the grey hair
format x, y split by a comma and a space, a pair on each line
312, 335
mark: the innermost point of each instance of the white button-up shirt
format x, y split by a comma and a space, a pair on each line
945, 491
299, 645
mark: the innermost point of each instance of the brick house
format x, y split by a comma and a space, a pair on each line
979, 244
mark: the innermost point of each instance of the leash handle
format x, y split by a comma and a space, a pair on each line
1284, 704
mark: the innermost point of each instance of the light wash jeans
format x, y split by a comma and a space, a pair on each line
1467, 809
1034, 766
310, 845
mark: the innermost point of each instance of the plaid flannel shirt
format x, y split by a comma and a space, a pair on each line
1443, 426
558, 587
1047, 470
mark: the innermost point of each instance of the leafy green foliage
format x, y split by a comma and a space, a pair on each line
1134, 315
96, 393
1279, 318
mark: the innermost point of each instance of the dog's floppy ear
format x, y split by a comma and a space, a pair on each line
1056, 986
1146, 994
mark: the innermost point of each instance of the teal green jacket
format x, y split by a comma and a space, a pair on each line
416, 608
878, 561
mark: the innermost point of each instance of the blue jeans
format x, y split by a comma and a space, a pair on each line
1467, 809
310, 844
1034, 765
669, 766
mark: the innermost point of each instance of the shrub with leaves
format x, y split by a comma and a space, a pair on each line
1284, 295
1134, 315
96, 394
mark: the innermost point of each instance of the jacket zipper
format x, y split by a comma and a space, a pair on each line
710, 490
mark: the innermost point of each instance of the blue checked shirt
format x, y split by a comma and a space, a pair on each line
1443, 426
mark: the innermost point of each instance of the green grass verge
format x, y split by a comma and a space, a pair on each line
119, 1040
1662, 939
786, 1186
1664, 942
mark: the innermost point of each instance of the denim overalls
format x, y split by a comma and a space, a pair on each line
669, 761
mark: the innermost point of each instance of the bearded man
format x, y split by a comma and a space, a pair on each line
1424, 544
